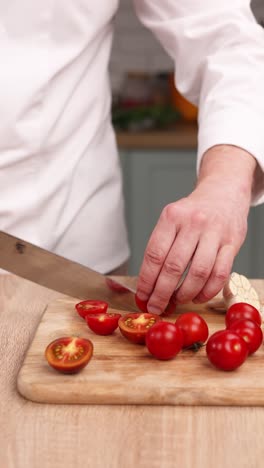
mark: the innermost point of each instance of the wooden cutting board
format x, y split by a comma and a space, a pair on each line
124, 373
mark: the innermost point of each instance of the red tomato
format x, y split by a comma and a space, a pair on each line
226, 350
170, 309
143, 306
69, 354
103, 324
91, 307
250, 332
240, 311
164, 340
194, 328
134, 326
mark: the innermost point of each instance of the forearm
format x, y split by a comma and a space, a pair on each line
218, 51
226, 163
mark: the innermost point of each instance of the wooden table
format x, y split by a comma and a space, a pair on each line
46, 436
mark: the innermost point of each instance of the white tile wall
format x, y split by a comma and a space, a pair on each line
135, 47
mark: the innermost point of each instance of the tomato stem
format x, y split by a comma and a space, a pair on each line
195, 346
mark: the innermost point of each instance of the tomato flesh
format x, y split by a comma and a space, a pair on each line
103, 324
91, 307
69, 354
164, 340
226, 350
240, 311
250, 332
194, 328
134, 326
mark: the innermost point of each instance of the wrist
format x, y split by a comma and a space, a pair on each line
224, 164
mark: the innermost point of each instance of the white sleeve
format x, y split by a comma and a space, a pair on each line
218, 50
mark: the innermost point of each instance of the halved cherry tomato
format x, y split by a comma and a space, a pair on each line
69, 354
134, 326
143, 306
164, 340
91, 307
226, 350
103, 324
250, 331
194, 328
240, 311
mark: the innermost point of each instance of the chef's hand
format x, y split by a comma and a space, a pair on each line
207, 229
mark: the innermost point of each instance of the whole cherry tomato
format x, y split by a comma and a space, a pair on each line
194, 328
250, 332
103, 324
240, 311
164, 340
142, 305
69, 354
226, 350
134, 326
91, 307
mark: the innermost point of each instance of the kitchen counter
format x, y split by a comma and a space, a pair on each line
184, 136
65, 436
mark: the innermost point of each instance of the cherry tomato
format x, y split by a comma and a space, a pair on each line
116, 287
143, 306
164, 340
170, 309
134, 326
91, 307
103, 324
226, 350
69, 354
250, 332
194, 328
240, 311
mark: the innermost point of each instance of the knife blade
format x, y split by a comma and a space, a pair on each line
61, 274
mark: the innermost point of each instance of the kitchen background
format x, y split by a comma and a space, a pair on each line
135, 47
157, 137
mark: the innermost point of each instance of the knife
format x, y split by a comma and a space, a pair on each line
60, 274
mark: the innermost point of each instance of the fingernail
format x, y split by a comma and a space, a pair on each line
142, 296
154, 310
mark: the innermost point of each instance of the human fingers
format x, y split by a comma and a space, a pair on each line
173, 268
156, 251
200, 268
219, 275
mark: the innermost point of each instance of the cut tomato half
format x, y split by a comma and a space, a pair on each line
91, 307
103, 324
69, 354
134, 326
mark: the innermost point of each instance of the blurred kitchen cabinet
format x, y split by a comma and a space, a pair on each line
154, 178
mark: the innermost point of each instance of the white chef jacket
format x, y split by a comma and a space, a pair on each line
60, 177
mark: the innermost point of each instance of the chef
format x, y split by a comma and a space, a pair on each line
60, 177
